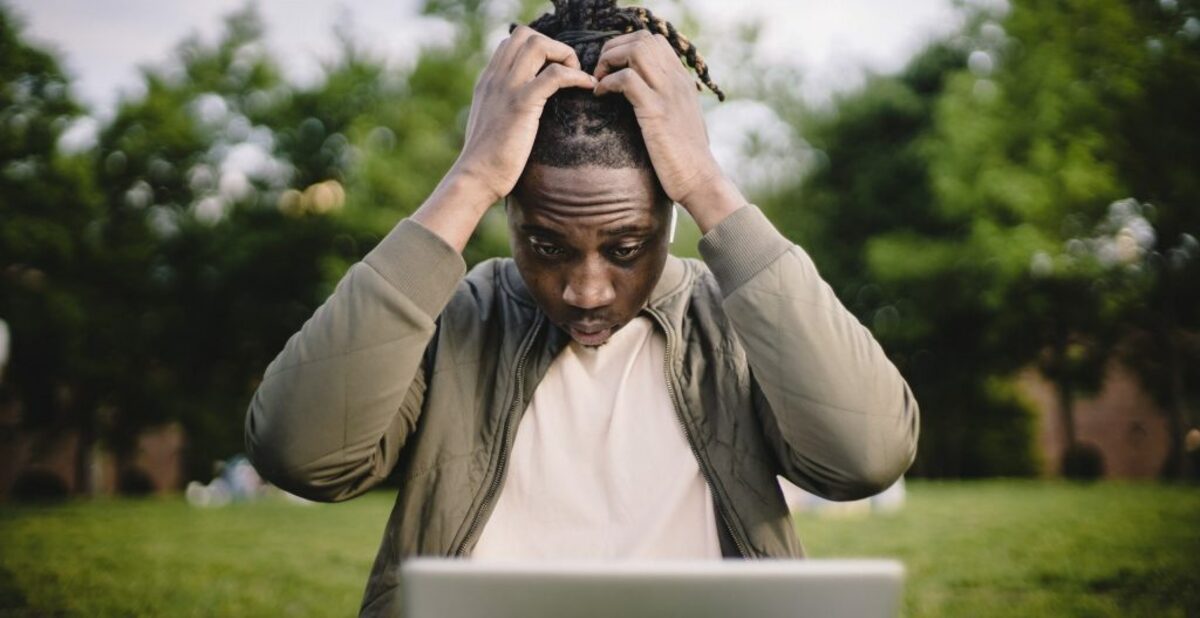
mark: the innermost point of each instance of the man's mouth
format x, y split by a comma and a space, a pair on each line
590, 334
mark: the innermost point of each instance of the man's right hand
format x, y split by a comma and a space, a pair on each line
526, 69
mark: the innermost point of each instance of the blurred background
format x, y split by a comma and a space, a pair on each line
1006, 193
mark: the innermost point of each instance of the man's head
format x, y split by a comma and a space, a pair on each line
589, 220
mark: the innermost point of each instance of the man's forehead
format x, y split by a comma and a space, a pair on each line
587, 188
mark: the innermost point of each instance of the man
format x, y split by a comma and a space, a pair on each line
592, 396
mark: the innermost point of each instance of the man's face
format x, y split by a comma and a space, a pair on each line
590, 242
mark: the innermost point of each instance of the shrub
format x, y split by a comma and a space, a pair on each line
135, 482
1083, 462
39, 485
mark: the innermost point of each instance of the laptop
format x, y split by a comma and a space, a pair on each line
449, 588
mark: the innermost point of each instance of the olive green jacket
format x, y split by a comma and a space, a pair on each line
410, 368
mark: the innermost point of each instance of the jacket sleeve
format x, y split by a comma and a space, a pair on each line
337, 404
841, 419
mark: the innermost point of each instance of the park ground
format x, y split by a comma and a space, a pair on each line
981, 548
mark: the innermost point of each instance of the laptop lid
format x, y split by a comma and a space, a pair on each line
448, 588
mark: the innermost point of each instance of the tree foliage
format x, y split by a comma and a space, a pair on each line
1017, 197
48, 252
1022, 194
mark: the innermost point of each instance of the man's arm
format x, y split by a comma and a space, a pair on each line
338, 403
841, 418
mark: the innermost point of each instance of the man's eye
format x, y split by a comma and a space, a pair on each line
547, 250
625, 252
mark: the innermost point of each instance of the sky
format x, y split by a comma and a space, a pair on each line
103, 42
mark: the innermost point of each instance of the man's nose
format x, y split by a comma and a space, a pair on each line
588, 286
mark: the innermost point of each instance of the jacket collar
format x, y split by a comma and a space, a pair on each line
667, 305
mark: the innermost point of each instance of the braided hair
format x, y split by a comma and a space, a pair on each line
578, 128
586, 24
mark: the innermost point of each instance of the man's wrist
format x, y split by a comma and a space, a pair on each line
712, 201
455, 207
468, 189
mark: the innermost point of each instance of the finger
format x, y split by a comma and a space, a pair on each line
641, 54
615, 53
537, 51
665, 48
495, 63
624, 39
555, 77
511, 45
629, 83
652, 39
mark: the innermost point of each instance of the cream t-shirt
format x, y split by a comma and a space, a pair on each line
600, 466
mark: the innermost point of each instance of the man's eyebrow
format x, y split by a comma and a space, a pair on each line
627, 230
537, 230
624, 230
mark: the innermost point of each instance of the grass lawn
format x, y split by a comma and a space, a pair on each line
999, 548
1028, 548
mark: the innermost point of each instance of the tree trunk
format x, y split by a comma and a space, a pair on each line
1066, 401
1066, 391
85, 421
1177, 465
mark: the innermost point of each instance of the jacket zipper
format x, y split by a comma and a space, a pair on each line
700, 462
498, 478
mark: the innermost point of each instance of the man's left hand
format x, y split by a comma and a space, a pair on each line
645, 68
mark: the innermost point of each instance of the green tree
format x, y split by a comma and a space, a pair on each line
975, 211
235, 201
1061, 117
208, 272
868, 214
48, 250
1159, 135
